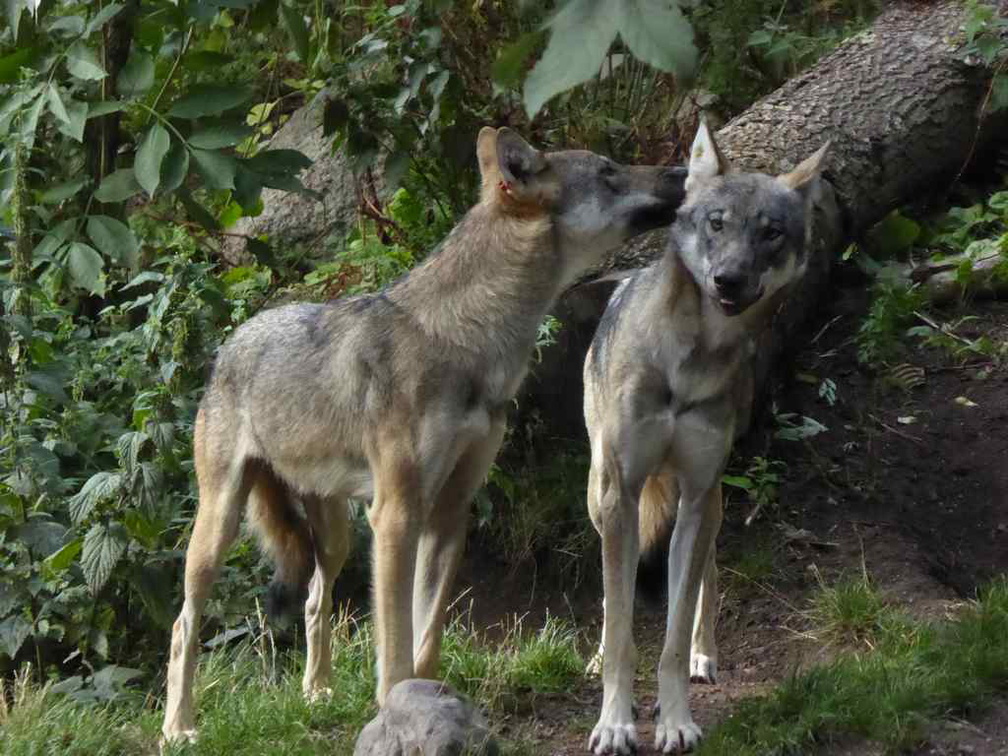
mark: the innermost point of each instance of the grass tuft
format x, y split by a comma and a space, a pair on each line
915, 673
850, 612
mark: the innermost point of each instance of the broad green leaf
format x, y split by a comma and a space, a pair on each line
61, 192
96, 489
30, 119
102, 17
117, 186
153, 147
11, 65
14, 631
893, 234
737, 481
49, 383
103, 548
86, 268
220, 135
581, 33
209, 99
41, 534
509, 68
248, 188
56, 106
113, 238
74, 128
657, 32
203, 60
137, 76
60, 560
174, 167
216, 168
295, 24
82, 63
105, 107
68, 26
12, 10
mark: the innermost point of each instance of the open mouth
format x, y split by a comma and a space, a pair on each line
736, 306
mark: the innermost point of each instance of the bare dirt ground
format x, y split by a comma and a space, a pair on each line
921, 504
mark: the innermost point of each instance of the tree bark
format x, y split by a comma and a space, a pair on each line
902, 109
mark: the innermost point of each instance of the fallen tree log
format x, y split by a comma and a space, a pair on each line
902, 108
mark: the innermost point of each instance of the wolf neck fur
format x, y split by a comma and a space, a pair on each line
496, 275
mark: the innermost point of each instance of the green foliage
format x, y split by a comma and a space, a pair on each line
892, 311
582, 32
987, 41
63, 85
760, 482
95, 470
752, 46
915, 673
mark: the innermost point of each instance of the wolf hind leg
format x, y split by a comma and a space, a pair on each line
329, 518
224, 486
440, 549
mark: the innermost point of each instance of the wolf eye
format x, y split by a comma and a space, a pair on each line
772, 234
607, 170
715, 221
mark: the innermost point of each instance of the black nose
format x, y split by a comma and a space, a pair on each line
730, 285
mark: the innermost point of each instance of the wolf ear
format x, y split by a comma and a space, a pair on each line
506, 158
517, 159
706, 159
806, 172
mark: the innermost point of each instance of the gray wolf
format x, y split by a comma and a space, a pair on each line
667, 382
398, 398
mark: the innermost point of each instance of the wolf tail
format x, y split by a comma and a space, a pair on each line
284, 535
659, 501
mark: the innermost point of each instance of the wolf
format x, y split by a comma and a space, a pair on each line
398, 398
667, 382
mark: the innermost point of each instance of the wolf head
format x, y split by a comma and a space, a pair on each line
743, 236
594, 203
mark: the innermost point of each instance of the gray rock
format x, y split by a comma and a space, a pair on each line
426, 718
289, 217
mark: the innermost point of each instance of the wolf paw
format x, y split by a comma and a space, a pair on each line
703, 669
676, 737
618, 739
315, 695
176, 737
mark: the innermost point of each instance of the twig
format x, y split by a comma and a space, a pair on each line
943, 328
897, 431
824, 329
980, 117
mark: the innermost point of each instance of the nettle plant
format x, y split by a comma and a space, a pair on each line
109, 115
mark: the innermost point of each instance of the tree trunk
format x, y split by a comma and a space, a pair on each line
901, 107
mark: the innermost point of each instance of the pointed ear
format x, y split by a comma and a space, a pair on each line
706, 159
807, 171
486, 155
517, 160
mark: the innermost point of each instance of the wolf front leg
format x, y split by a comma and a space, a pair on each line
614, 511
442, 543
395, 517
696, 526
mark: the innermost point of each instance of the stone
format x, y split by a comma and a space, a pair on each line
293, 218
426, 718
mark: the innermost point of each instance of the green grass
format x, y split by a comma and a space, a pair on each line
915, 673
850, 612
247, 702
